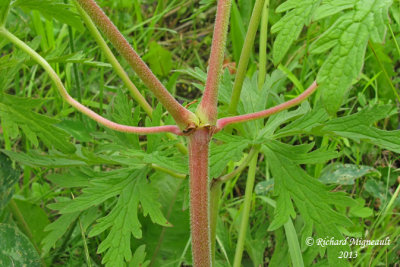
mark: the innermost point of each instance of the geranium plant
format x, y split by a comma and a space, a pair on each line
239, 126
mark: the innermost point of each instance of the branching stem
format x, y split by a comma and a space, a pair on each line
185, 119
90, 113
113, 61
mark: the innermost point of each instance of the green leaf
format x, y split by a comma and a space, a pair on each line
139, 257
304, 124
16, 249
357, 127
123, 221
34, 159
332, 7
290, 26
312, 198
237, 32
75, 128
57, 229
378, 189
4, 8
105, 186
159, 59
52, 9
345, 174
8, 178
16, 110
74, 178
347, 39
264, 187
35, 219
221, 155
299, 154
309, 195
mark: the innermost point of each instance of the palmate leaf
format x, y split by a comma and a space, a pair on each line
313, 200
291, 25
133, 190
222, 154
356, 126
17, 111
347, 39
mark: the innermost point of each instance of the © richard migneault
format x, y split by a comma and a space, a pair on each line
356, 25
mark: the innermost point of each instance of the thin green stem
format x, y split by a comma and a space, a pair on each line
63, 92
246, 212
173, 173
113, 61
253, 152
215, 195
394, 38
384, 71
120, 70
263, 44
185, 119
245, 55
74, 66
85, 246
207, 110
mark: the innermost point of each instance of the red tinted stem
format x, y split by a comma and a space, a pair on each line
199, 200
183, 117
221, 123
207, 110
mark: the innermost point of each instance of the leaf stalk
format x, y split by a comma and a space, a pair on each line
88, 112
221, 123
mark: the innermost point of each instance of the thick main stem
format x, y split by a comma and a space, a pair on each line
199, 197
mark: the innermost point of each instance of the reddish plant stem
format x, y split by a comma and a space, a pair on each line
221, 123
64, 94
207, 110
183, 117
199, 197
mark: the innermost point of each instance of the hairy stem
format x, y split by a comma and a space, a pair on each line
63, 92
245, 55
183, 117
207, 110
120, 70
114, 62
246, 212
199, 191
221, 123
